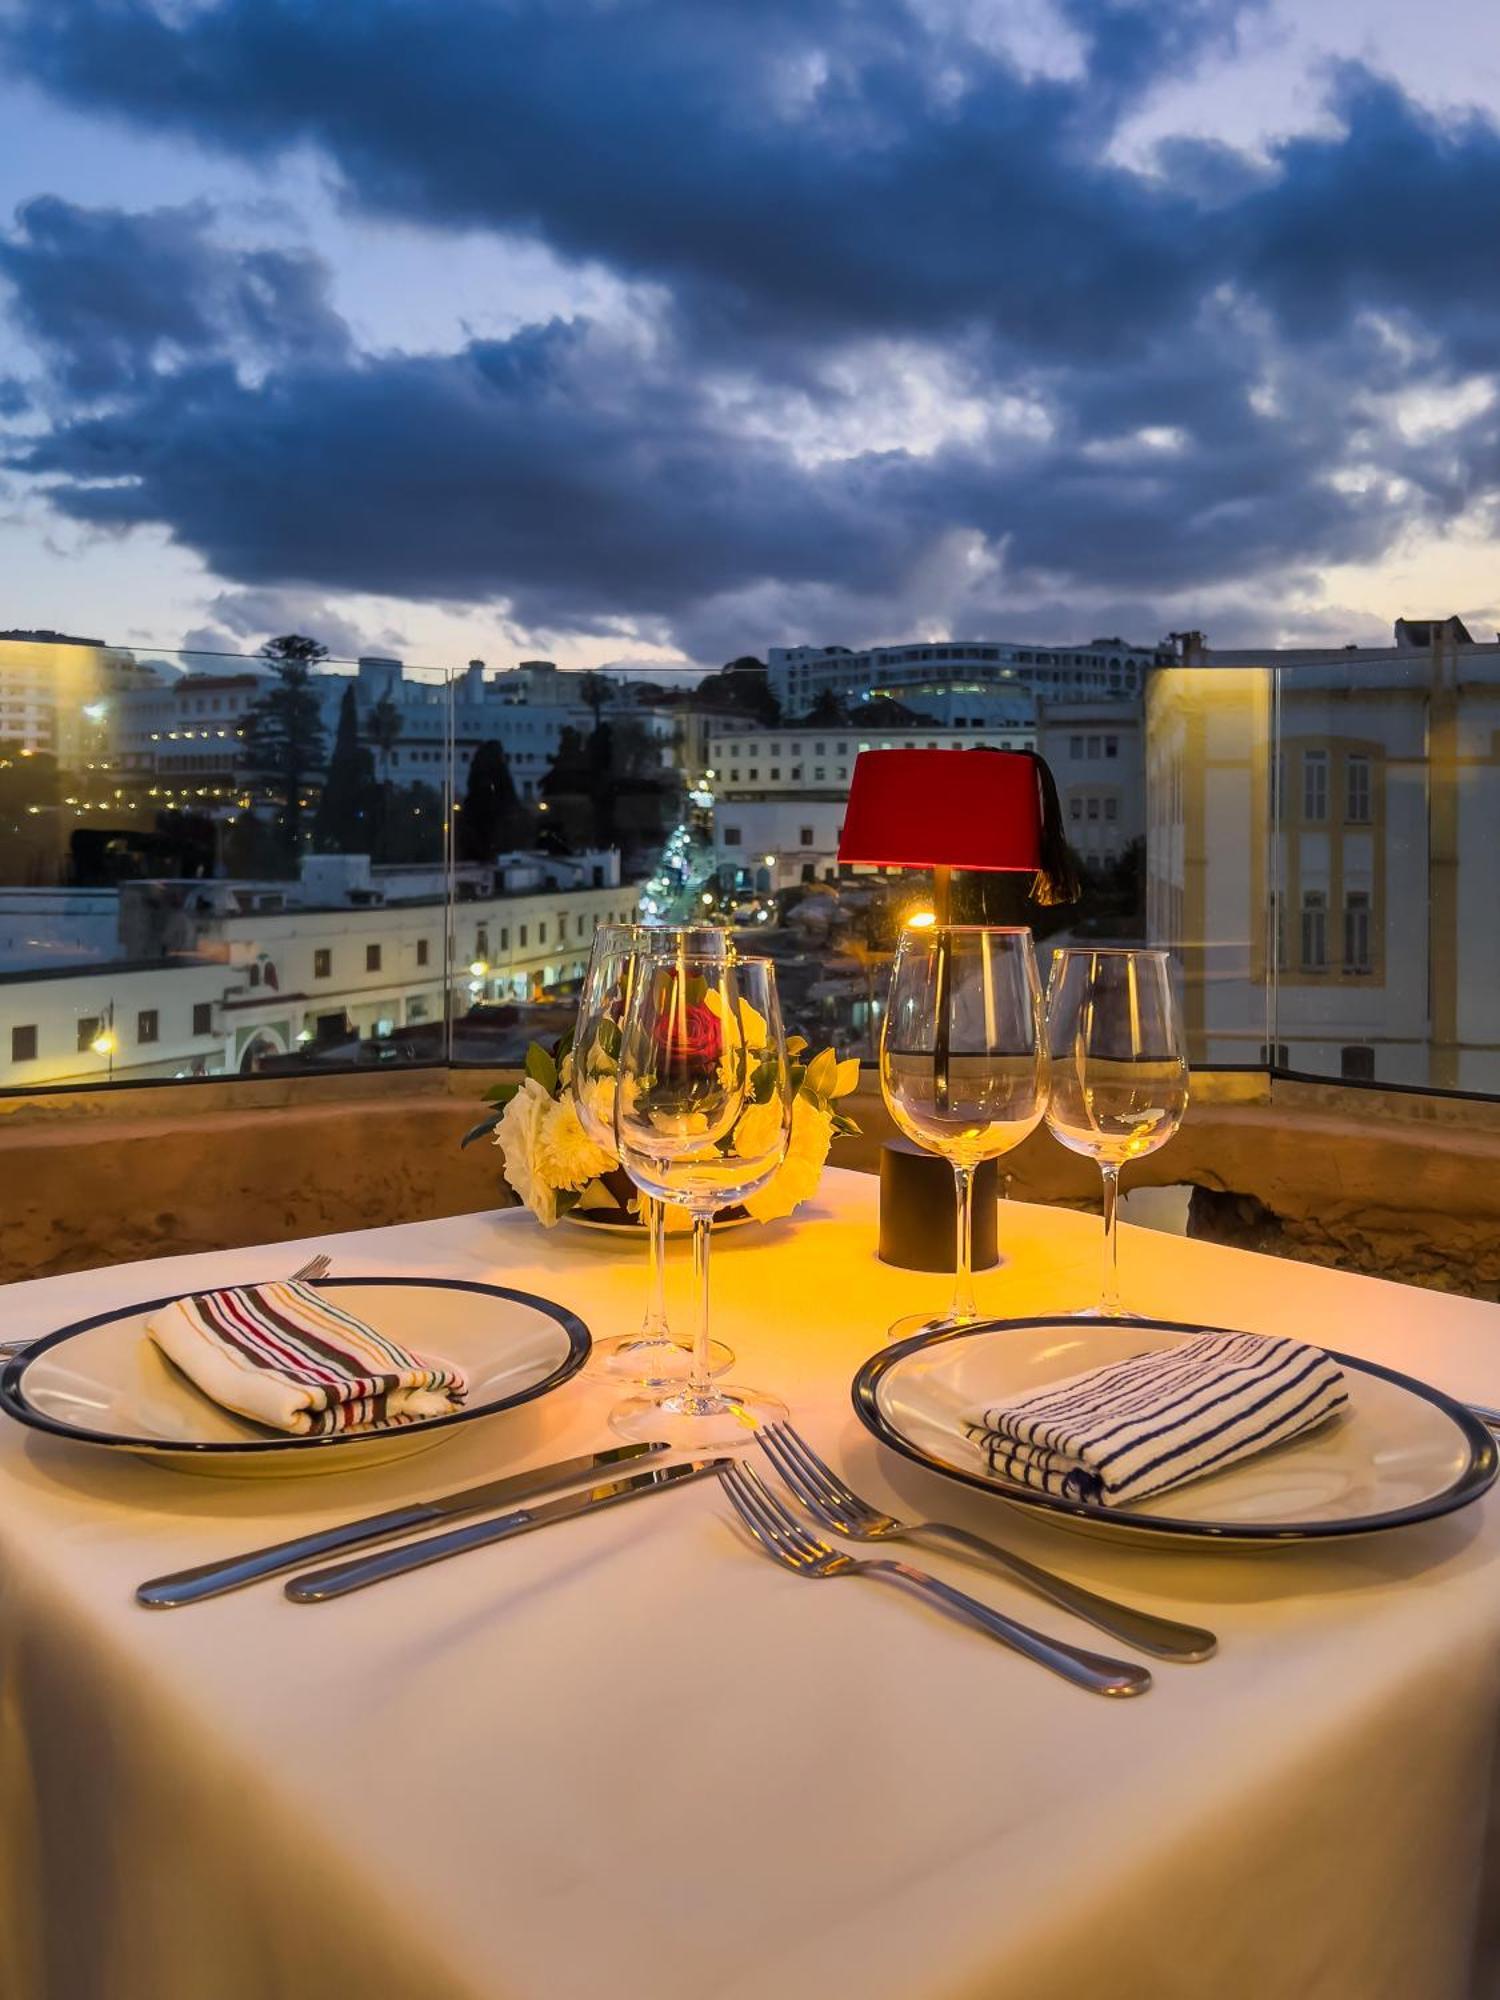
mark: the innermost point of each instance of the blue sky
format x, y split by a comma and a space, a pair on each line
673, 329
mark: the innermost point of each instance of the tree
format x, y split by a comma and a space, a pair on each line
596, 691
743, 685
492, 818
828, 710
283, 744
384, 729
345, 822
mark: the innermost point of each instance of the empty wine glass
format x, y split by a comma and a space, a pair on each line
651, 1355
961, 1063
703, 1112
1117, 1069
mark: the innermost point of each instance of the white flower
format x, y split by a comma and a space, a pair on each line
796, 1180
518, 1136
565, 1155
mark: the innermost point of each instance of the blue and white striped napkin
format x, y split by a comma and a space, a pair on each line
1155, 1421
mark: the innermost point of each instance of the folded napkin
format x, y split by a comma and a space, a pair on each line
1157, 1420
286, 1356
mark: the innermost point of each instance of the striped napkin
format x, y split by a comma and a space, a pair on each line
1141, 1426
286, 1356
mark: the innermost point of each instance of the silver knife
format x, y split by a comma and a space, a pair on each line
319, 1585
191, 1586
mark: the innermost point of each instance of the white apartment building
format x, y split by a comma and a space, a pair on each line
208, 976
1096, 753
768, 843
797, 675
57, 694
1320, 853
747, 761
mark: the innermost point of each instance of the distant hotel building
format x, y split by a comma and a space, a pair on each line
1103, 669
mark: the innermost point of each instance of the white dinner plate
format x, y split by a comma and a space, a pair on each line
1400, 1453
104, 1383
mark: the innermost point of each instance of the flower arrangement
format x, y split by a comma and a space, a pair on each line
553, 1164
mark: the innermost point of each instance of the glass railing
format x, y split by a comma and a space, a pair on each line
223, 865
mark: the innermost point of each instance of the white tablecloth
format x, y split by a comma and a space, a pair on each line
630, 1757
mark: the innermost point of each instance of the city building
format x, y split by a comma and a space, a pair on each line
207, 978
1095, 752
57, 694
1320, 842
798, 675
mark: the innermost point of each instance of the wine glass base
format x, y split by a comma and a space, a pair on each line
650, 1357
724, 1419
911, 1324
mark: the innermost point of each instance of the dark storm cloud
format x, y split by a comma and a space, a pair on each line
108, 297
826, 194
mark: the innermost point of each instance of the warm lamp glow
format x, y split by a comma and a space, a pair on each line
103, 1043
921, 920
479, 968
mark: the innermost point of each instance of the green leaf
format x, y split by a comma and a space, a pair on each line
539, 1064
607, 1037
562, 1048
822, 1073
479, 1131
501, 1094
763, 1083
568, 1198
844, 1126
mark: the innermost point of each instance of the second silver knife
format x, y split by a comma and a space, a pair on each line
320, 1585
212, 1579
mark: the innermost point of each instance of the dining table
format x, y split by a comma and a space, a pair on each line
628, 1756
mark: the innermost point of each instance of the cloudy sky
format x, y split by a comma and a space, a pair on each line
674, 329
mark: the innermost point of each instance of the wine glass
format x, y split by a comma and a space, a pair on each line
651, 1355
1117, 1069
703, 1113
961, 1063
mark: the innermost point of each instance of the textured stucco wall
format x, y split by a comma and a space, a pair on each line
1408, 1188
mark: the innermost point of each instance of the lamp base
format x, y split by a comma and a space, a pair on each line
919, 1210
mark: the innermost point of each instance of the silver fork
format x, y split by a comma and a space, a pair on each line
788, 1543
836, 1505
315, 1267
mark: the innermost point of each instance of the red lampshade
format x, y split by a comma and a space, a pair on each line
944, 809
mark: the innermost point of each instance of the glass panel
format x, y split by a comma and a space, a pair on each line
1388, 854
216, 865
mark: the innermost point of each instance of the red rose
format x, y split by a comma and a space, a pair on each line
690, 1034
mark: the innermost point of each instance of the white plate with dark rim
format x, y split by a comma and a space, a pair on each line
1401, 1453
103, 1382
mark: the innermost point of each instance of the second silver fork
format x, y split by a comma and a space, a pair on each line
787, 1542
837, 1506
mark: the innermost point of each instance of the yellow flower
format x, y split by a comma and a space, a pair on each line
796, 1180
758, 1133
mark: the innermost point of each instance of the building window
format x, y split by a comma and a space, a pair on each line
1357, 931
1315, 784
504, 939
421, 951
775, 772
818, 771
1111, 746
1093, 808
1093, 746
522, 934
372, 958
148, 1025
578, 927
482, 941
1357, 791
323, 964
1357, 1064
731, 836
1075, 808
203, 1017
88, 1032
754, 773
1111, 808
23, 1044
1314, 931
807, 836
541, 933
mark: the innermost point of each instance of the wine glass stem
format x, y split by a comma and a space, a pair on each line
963, 1263
700, 1380
1109, 1293
654, 1215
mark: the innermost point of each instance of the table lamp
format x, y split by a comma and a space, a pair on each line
989, 810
